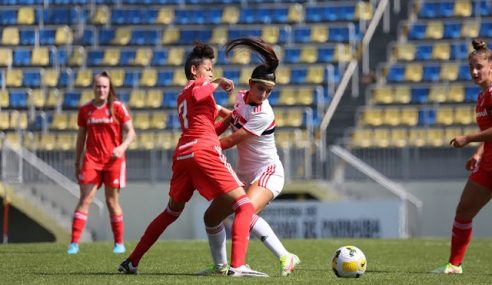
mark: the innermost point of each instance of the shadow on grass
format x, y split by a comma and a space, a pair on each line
112, 274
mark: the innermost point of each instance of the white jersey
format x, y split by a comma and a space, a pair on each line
259, 150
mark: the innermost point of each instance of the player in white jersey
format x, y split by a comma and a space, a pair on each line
253, 126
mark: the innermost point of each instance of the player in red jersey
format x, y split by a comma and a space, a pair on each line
198, 163
100, 158
478, 190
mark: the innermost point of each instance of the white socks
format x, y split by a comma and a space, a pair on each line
217, 242
262, 230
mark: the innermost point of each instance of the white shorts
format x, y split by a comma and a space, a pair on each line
270, 177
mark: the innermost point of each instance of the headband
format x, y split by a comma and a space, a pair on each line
263, 81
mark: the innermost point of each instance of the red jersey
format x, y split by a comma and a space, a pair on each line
483, 112
103, 133
197, 112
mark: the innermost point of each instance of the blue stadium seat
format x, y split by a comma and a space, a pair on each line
8, 17
436, 10
64, 78
165, 78
396, 73
427, 116
221, 97
431, 72
131, 78
464, 72
169, 99
298, 75
471, 93
481, 8
189, 36
94, 57
159, 57
232, 73
417, 31
106, 36
326, 54
47, 36
18, 99
486, 29
452, 30
173, 121
274, 97
22, 57
423, 51
292, 54
302, 34
419, 95
71, 99
32, 78
236, 32
127, 57
123, 96
27, 37
88, 37
459, 51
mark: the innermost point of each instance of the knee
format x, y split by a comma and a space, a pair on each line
209, 219
464, 211
112, 203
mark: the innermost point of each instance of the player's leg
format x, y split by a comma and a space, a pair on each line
114, 179
472, 200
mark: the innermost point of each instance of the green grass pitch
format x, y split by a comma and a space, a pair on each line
174, 262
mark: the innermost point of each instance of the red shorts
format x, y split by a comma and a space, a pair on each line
206, 170
114, 177
482, 177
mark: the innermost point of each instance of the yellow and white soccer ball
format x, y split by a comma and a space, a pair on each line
349, 262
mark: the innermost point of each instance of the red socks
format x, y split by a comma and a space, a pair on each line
244, 211
78, 224
152, 233
462, 233
118, 227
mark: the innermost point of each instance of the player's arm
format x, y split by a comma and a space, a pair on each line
221, 125
204, 88
129, 138
79, 145
483, 136
235, 138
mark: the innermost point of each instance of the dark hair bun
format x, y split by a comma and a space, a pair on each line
479, 44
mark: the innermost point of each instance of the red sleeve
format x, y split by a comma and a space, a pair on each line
81, 120
121, 113
221, 126
202, 89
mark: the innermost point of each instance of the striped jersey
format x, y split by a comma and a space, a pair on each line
483, 112
258, 150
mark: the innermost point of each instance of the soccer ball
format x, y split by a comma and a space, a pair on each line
349, 262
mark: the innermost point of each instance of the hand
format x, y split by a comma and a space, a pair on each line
459, 141
77, 171
472, 163
117, 152
226, 84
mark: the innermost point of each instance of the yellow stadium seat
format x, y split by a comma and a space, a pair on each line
117, 76
280, 118
40, 56
315, 74
302, 139
154, 98
218, 72
158, 120
403, 95
10, 36
50, 77
441, 51
304, 95
283, 139
462, 8
165, 16
230, 15
449, 71
170, 36
142, 120
101, 16
148, 78
143, 56
437, 93
65, 141
83, 78
381, 137
434, 30
392, 116
18, 120
47, 141
445, 115
319, 34
240, 57
86, 96
398, 137
245, 75
63, 36
464, 115
219, 36
60, 121
270, 33
372, 117
14, 78
166, 140
382, 95
287, 96
6, 57
417, 137
78, 56
122, 36
179, 78
309, 54
452, 132
363, 11
111, 56
456, 93
55, 98
138, 98
134, 144
409, 116
283, 75
14, 139
25, 15
4, 98
146, 140
435, 137
37, 98
296, 13
362, 138
4, 120
343, 52
470, 29
176, 55
28, 141
405, 51
413, 72
72, 121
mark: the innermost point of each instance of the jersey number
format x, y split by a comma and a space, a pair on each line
183, 111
